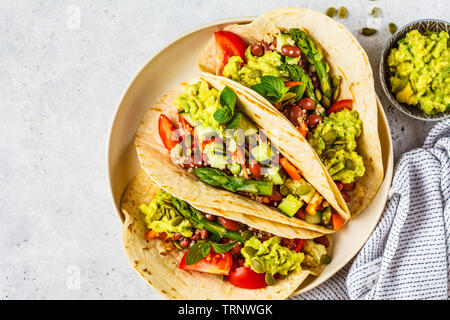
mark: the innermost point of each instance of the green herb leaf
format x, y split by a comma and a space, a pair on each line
235, 121
271, 88
197, 252
222, 248
223, 115
228, 98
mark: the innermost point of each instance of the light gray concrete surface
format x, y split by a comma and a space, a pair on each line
63, 67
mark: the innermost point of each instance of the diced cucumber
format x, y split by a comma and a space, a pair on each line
291, 60
234, 168
276, 174
290, 205
283, 39
315, 219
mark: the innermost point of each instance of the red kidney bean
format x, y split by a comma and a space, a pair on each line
176, 236
345, 196
289, 243
307, 104
313, 120
185, 243
255, 169
195, 237
322, 240
257, 50
237, 248
265, 45
274, 42
301, 214
348, 186
276, 196
339, 184
204, 234
210, 217
294, 113
290, 51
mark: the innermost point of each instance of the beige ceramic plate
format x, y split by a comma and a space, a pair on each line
176, 63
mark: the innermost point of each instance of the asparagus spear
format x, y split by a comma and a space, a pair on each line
219, 179
200, 222
308, 47
296, 73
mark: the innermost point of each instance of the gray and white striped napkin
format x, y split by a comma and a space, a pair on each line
408, 254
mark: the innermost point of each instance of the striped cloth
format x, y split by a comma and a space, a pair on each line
407, 256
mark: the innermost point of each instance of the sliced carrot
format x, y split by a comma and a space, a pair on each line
265, 199
152, 234
337, 221
311, 208
290, 169
292, 84
302, 127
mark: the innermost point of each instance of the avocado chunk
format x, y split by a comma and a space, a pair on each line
326, 216
283, 39
291, 60
315, 219
290, 205
276, 174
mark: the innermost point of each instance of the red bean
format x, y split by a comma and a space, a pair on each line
204, 234
185, 243
294, 113
195, 237
276, 196
275, 42
210, 217
289, 243
348, 186
314, 120
237, 248
307, 104
290, 51
339, 184
301, 214
345, 196
322, 240
255, 169
257, 50
176, 236
265, 45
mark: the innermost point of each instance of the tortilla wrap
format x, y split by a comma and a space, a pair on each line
157, 261
156, 161
347, 59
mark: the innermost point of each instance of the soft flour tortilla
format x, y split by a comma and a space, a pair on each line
346, 58
155, 160
157, 261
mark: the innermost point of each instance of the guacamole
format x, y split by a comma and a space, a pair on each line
335, 141
250, 74
419, 70
160, 215
270, 257
315, 254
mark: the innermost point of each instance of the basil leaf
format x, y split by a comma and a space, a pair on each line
197, 252
228, 98
271, 88
222, 248
223, 115
235, 121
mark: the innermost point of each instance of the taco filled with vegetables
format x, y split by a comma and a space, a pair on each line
312, 70
186, 253
213, 147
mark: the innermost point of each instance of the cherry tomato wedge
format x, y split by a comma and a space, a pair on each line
290, 169
185, 125
290, 84
244, 277
341, 105
216, 263
255, 169
167, 132
300, 244
228, 45
337, 221
230, 224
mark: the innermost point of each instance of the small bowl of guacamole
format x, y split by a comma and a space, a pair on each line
415, 69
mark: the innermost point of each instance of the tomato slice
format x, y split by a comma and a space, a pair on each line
167, 132
300, 244
185, 125
230, 224
341, 105
244, 277
228, 45
216, 263
290, 169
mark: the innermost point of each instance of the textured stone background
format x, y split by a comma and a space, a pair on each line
63, 67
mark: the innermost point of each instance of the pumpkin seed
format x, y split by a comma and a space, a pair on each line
336, 93
392, 28
329, 137
247, 234
375, 12
325, 259
302, 190
340, 142
318, 94
331, 12
156, 216
257, 265
270, 280
176, 221
329, 154
350, 164
284, 190
255, 73
342, 12
250, 251
326, 102
336, 81
368, 31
